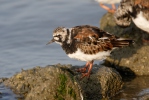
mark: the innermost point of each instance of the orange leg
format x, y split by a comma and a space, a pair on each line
84, 69
107, 8
87, 74
113, 7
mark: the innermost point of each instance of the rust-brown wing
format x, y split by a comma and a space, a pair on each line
143, 3
87, 33
91, 39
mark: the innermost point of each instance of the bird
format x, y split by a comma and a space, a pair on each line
87, 43
133, 10
112, 2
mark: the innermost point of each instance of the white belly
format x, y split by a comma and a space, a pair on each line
109, 1
141, 22
89, 57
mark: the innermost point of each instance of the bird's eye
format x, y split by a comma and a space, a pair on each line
59, 36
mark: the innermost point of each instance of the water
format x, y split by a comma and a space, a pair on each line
6, 94
26, 26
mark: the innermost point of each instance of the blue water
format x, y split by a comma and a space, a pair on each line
7, 94
27, 25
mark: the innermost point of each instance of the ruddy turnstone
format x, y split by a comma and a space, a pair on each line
135, 10
112, 2
87, 43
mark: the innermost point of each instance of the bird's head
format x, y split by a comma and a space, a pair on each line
59, 35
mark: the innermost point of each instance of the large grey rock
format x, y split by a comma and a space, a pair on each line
104, 82
131, 60
48, 83
61, 82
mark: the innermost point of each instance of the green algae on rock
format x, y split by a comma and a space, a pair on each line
48, 83
63, 89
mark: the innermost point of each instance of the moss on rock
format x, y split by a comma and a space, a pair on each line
48, 83
62, 82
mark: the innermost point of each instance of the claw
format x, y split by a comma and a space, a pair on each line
111, 10
82, 70
85, 75
88, 67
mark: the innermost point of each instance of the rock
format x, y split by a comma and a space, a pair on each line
132, 60
2, 80
107, 24
136, 89
45, 83
61, 82
144, 96
142, 85
104, 83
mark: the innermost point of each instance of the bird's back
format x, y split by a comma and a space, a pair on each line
91, 39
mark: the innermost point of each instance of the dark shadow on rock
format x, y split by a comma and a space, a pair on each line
126, 73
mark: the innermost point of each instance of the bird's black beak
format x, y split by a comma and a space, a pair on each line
51, 41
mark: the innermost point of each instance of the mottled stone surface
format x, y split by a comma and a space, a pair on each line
45, 83
104, 82
62, 82
131, 60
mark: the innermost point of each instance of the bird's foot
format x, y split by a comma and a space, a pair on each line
111, 10
85, 75
82, 70
107, 8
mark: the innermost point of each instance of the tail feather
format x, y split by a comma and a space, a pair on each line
121, 42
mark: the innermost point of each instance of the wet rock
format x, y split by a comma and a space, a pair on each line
6, 93
136, 89
61, 82
144, 96
132, 60
2, 80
